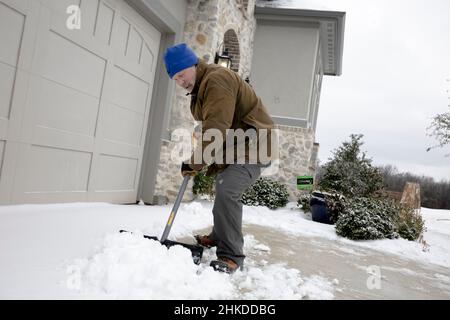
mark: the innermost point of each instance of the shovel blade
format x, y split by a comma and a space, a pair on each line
196, 250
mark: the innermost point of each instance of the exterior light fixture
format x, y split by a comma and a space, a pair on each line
223, 59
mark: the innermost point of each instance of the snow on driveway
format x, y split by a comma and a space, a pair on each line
73, 251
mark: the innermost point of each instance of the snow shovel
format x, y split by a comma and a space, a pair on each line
196, 250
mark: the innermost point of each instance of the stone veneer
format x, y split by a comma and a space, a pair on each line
207, 22
297, 154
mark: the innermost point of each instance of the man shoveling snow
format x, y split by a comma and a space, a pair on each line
222, 100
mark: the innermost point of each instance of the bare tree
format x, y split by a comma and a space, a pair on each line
440, 129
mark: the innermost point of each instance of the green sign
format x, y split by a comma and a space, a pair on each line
305, 182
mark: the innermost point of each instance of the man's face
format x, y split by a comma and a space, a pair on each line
186, 78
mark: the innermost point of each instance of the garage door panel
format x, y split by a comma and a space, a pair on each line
135, 69
7, 78
8, 164
96, 16
63, 108
116, 173
88, 16
60, 6
141, 24
18, 27
53, 197
3, 130
123, 125
127, 90
12, 24
2, 151
19, 5
134, 48
120, 36
147, 58
61, 139
56, 170
80, 101
103, 28
11, 127
84, 37
68, 63
115, 148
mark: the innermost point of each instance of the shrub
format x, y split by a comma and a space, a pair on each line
350, 172
410, 224
336, 204
303, 202
266, 192
367, 219
204, 185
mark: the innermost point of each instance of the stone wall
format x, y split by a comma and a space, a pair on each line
169, 179
296, 154
207, 22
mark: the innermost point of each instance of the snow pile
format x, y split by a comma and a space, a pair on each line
41, 247
190, 216
278, 282
131, 267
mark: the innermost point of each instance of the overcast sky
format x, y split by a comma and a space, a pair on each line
396, 63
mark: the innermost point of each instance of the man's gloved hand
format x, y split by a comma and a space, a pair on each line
186, 170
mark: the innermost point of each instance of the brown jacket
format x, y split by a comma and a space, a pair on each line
222, 100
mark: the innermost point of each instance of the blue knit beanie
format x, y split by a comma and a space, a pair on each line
179, 57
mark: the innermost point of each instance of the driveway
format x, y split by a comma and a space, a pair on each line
356, 272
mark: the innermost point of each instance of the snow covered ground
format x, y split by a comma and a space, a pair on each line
74, 251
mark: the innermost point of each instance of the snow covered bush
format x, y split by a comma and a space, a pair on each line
367, 219
349, 172
266, 192
410, 224
303, 202
204, 185
336, 203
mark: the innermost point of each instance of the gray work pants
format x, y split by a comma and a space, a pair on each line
227, 210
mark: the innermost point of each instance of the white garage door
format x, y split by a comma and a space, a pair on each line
74, 104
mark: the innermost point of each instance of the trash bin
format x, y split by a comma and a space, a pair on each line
319, 211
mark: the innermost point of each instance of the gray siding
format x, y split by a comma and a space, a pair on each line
283, 66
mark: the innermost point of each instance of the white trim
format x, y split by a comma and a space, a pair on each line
288, 121
322, 17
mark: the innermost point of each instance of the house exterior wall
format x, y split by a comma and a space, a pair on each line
293, 99
285, 52
297, 155
205, 28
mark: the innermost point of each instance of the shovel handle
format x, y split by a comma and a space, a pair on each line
176, 205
